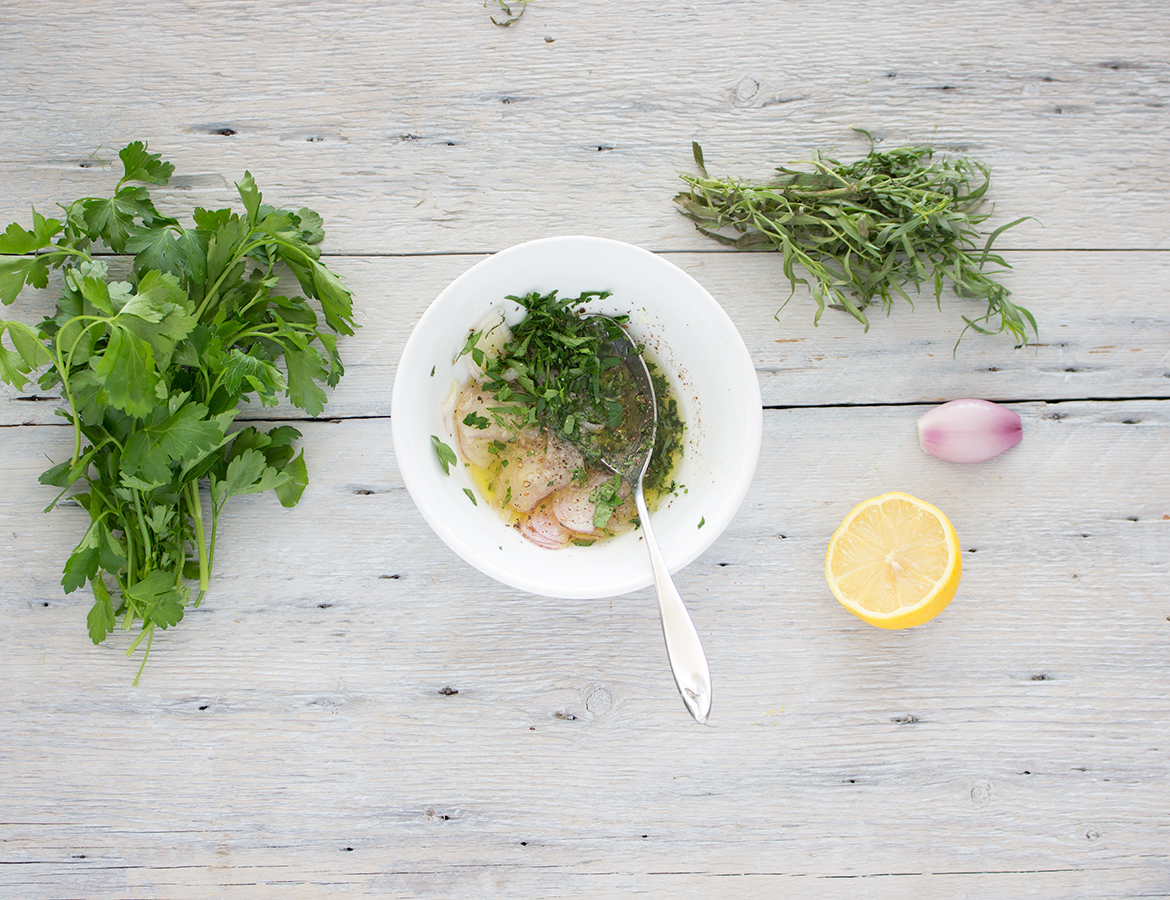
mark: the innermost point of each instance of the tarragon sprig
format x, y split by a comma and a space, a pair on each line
865, 232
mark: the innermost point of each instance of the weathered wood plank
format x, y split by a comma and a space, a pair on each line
306, 694
354, 711
1104, 320
427, 128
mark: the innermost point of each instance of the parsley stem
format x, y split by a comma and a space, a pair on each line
148, 551
148, 633
215, 509
63, 369
212, 292
243, 250
201, 546
129, 536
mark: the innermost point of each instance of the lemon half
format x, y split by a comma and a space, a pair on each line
894, 562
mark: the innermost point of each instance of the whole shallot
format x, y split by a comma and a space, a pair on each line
966, 431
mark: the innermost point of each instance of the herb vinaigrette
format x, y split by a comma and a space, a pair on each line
546, 402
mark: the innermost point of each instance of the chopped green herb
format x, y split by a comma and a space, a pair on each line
470, 496
473, 420
606, 497
702, 521
552, 374
445, 454
668, 435
469, 347
548, 373
507, 7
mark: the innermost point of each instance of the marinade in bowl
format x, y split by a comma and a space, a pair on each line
699, 354
547, 402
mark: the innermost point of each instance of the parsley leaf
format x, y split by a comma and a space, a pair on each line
141, 165
101, 618
26, 267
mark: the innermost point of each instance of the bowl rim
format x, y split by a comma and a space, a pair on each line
415, 478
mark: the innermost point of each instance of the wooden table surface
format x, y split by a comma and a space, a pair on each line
353, 711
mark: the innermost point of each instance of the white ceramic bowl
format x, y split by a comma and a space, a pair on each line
686, 331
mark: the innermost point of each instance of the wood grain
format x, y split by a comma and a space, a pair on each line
353, 711
1104, 332
424, 128
1020, 732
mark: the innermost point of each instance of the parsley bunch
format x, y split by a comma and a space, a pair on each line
153, 369
866, 231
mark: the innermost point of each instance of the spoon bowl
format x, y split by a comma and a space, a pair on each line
688, 662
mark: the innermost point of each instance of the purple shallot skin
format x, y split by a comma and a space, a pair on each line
969, 430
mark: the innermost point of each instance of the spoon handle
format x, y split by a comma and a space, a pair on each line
688, 663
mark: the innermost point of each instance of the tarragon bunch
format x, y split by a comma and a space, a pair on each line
153, 368
867, 232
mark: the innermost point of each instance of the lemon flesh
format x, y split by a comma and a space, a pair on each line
894, 562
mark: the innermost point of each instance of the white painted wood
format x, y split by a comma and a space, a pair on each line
292, 738
422, 127
299, 710
1104, 332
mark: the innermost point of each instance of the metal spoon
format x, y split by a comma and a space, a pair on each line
688, 663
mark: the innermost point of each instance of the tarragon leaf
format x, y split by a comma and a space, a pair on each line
445, 454
865, 232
